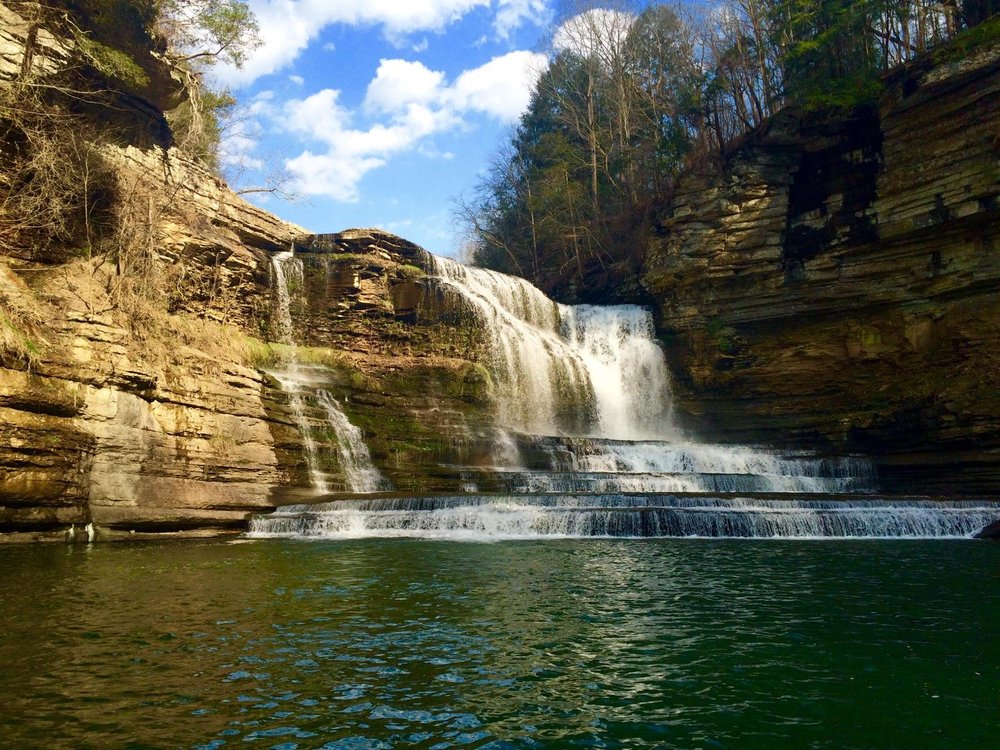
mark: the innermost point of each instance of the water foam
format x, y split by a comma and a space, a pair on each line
630, 516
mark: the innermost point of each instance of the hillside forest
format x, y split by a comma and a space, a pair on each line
636, 94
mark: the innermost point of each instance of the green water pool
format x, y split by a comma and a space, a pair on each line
667, 643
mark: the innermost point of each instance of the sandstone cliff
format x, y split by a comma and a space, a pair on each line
134, 388
835, 283
828, 284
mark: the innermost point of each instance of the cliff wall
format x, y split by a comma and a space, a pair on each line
135, 388
834, 284
828, 284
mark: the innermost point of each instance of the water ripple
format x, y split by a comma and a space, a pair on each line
618, 644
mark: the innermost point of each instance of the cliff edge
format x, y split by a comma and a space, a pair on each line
834, 282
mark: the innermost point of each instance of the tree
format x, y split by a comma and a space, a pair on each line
198, 34
204, 32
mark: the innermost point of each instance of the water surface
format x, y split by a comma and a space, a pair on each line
404, 643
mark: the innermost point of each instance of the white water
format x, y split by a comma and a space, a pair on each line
298, 381
584, 416
604, 364
519, 517
553, 365
625, 367
355, 460
287, 271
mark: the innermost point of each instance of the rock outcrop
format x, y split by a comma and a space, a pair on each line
156, 424
834, 284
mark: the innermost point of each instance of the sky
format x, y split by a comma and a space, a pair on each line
381, 113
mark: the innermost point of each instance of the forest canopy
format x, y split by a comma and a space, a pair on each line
635, 93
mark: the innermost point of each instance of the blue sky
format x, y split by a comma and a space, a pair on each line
381, 112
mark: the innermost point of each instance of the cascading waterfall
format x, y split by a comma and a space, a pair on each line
520, 517
355, 460
298, 380
625, 367
604, 366
567, 370
586, 446
288, 270
540, 378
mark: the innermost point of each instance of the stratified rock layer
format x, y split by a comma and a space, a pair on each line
835, 284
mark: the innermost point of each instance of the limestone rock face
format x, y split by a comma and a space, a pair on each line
400, 355
835, 284
35, 43
154, 427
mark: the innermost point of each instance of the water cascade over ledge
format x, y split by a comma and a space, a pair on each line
301, 383
559, 369
486, 518
586, 445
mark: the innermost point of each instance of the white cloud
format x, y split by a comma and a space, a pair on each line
288, 26
297, 80
502, 87
329, 47
512, 14
352, 152
599, 32
398, 83
409, 103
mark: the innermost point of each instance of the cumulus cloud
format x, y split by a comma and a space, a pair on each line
409, 104
512, 14
288, 26
500, 88
597, 32
398, 83
352, 152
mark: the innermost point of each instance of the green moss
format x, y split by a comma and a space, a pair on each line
725, 338
969, 40
112, 62
258, 354
409, 273
472, 383
267, 354
870, 337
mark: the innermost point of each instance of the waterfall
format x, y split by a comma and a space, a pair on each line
626, 369
586, 446
298, 381
520, 517
567, 370
355, 461
541, 380
288, 270
605, 366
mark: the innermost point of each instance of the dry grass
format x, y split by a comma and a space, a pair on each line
21, 339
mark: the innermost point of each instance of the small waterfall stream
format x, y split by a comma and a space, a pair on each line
298, 381
586, 445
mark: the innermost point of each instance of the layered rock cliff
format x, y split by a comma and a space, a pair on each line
829, 284
135, 394
834, 283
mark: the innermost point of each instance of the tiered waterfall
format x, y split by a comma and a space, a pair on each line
586, 446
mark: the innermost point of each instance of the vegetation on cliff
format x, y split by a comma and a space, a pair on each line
635, 96
91, 77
